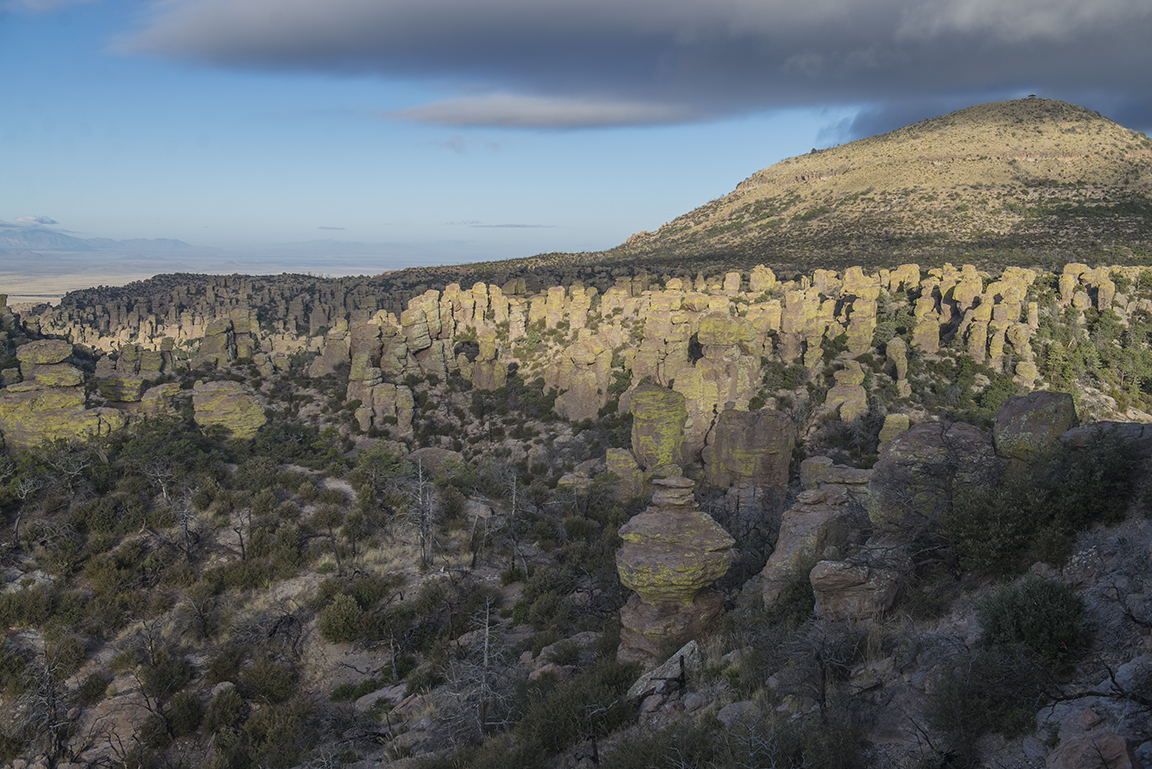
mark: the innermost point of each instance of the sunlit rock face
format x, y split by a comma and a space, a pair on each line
229, 405
50, 402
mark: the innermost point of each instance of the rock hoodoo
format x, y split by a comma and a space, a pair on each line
672, 552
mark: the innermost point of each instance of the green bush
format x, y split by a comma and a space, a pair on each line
226, 710
94, 688
1041, 614
343, 620
168, 676
267, 681
185, 714
999, 689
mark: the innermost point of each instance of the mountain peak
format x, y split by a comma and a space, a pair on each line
1037, 172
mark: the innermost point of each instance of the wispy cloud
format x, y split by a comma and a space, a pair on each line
36, 6
596, 63
510, 111
482, 226
25, 222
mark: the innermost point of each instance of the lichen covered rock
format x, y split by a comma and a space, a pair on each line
671, 553
658, 417
923, 468
750, 447
1029, 426
229, 405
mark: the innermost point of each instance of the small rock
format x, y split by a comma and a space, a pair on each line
694, 702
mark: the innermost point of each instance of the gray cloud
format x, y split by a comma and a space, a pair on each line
591, 63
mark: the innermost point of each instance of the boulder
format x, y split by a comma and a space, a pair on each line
850, 591
122, 388
44, 352
647, 631
54, 375
31, 414
750, 447
819, 519
670, 556
823, 473
629, 478
921, 470
1029, 426
1092, 751
688, 660
229, 405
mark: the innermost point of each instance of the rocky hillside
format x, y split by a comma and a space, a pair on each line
1038, 175
286, 522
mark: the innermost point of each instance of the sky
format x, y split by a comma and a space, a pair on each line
445, 131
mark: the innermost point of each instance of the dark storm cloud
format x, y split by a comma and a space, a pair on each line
582, 63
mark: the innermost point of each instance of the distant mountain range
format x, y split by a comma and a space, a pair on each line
35, 239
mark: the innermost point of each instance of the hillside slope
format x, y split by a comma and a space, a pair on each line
1033, 174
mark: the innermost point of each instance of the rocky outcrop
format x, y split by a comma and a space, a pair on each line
671, 553
630, 480
821, 519
1106, 749
123, 378
751, 447
922, 469
658, 416
853, 590
1029, 426
229, 405
823, 473
848, 398
50, 402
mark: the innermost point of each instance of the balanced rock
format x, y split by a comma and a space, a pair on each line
45, 352
1029, 426
671, 553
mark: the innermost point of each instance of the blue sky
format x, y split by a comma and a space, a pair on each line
460, 130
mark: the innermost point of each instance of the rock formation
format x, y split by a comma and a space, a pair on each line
1029, 426
50, 402
672, 552
751, 447
229, 405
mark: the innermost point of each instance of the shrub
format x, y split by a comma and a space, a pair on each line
185, 714
168, 676
267, 681
999, 689
94, 688
1041, 614
343, 620
226, 710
